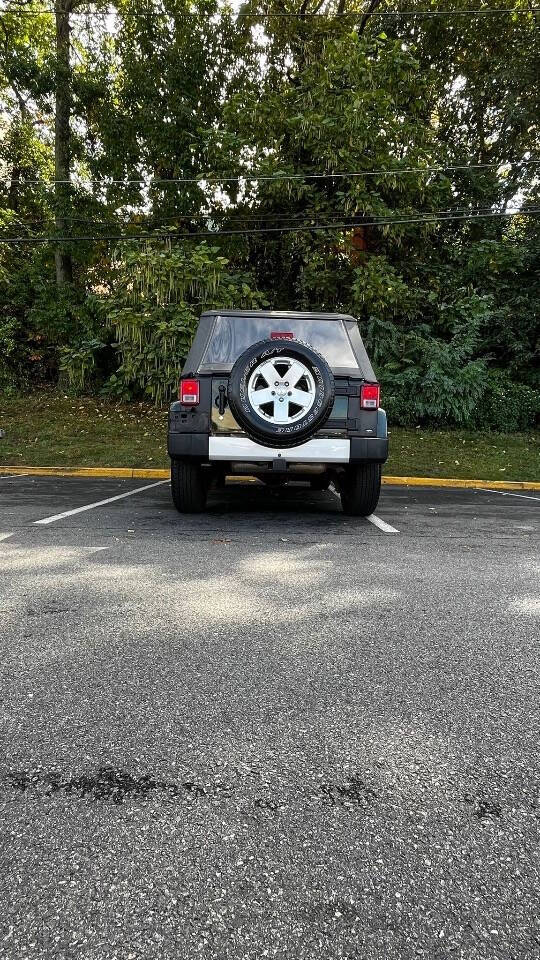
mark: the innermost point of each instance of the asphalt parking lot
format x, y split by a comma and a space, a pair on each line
271, 730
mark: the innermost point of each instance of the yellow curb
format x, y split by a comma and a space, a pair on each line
144, 473
141, 473
468, 484
123, 473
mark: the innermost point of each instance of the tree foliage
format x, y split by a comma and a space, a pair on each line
193, 93
159, 294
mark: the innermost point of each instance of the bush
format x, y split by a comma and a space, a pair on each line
78, 363
428, 379
477, 400
12, 355
435, 396
160, 291
40, 323
506, 406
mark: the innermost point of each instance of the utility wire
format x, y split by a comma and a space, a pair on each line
478, 12
308, 228
211, 178
250, 216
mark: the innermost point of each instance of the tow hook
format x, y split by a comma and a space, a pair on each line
221, 400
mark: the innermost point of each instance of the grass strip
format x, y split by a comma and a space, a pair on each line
51, 429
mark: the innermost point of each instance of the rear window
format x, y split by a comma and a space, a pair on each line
232, 335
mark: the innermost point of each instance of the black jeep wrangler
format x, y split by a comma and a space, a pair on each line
279, 396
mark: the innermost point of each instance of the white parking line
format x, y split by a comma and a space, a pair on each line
376, 521
5, 536
12, 476
504, 493
381, 524
99, 503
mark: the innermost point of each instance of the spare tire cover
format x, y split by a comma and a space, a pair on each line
281, 392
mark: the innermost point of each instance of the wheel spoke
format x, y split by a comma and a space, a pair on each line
295, 372
281, 375
281, 410
262, 396
269, 372
301, 397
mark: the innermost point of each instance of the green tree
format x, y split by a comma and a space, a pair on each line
169, 92
161, 289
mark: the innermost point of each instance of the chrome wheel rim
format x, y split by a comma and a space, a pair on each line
281, 390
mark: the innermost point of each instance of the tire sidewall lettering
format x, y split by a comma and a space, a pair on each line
262, 431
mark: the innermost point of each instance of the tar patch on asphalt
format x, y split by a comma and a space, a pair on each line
262, 804
483, 808
353, 791
109, 784
33, 612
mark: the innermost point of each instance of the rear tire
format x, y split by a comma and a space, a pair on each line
360, 489
188, 486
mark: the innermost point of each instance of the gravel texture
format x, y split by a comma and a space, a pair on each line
270, 731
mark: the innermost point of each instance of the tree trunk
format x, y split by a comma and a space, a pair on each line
62, 158
13, 193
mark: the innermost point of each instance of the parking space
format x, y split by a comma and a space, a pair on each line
269, 730
248, 509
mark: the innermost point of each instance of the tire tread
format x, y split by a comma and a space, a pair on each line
188, 486
360, 489
265, 434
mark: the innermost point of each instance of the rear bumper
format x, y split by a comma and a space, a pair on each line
241, 449
317, 450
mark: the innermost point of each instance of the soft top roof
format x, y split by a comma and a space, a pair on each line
194, 360
279, 314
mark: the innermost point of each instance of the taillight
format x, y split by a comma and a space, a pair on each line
188, 392
370, 394
281, 335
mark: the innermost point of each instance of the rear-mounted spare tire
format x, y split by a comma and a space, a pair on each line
281, 392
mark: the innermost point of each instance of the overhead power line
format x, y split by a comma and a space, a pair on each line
275, 177
159, 14
251, 215
306, 228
